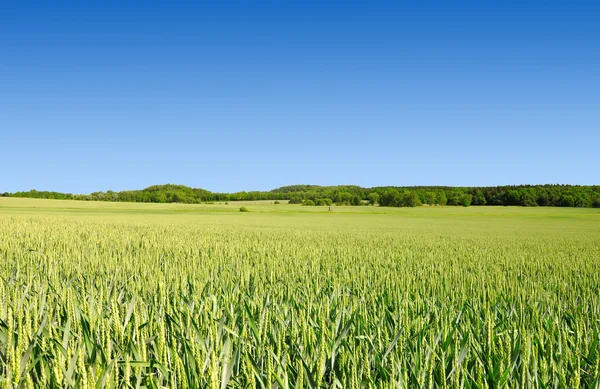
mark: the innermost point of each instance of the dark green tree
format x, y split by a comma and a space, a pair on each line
373, 198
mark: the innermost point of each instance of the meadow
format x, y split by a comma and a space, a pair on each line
129, 295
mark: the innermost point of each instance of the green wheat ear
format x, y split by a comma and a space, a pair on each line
419, 298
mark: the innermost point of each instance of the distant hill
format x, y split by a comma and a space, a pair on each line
520, 195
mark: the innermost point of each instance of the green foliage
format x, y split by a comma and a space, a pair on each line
394, 198
342, 198
596, 200
243, 209
442, 199
528, 200
524, 195
567, 201
296, 200
373, 198
465, 200
355, 200
478, 198
430, 198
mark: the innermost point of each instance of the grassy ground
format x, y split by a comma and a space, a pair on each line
442, 220
8, 204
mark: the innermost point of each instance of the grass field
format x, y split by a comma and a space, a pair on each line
133, 295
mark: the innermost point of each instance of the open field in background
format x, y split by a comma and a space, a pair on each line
14, 204
97, 294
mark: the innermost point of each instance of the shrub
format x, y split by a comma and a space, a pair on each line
243, 209
296, 200
276, 202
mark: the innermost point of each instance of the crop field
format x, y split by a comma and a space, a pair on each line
127, 295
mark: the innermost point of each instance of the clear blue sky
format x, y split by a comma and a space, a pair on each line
249, 96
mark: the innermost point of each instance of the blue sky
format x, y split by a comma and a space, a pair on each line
251, 96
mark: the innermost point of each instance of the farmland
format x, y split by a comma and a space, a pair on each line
129, 295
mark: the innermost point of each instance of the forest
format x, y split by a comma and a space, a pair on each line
519, 195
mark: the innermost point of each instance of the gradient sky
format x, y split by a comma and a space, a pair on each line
240, 96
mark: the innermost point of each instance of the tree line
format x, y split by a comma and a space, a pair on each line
521, 195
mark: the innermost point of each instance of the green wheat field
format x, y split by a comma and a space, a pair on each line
126, 295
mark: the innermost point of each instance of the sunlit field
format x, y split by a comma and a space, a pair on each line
128, 295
